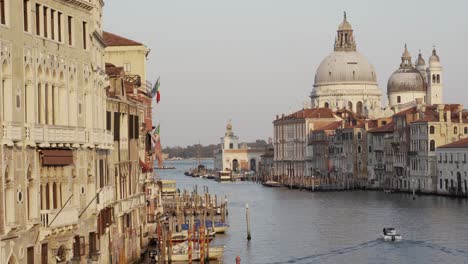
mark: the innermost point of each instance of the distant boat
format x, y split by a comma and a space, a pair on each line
165, 168
272, 184
390, 234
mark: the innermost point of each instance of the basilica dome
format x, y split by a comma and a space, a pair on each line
345, 67
345, 79
407, 78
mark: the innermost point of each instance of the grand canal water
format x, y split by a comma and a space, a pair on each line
292, 226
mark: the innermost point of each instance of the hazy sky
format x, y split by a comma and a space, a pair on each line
248, 60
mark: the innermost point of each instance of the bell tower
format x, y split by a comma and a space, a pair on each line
434, 79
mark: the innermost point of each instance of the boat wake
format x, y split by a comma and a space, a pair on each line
335, 252
373, 243
437, 247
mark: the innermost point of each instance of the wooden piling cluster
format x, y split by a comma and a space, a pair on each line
190, 209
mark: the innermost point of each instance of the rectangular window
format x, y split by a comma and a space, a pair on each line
127, 67
116, 126
26, 15
45, 22
108, 121
101, 173
84, 36
2, 12
30, 255
70, 30
93, 244
38, 20
52, 23
44, 253
59, 20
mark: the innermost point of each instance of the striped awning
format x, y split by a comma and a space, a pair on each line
56, 157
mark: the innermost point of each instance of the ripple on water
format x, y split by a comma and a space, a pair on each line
290, 226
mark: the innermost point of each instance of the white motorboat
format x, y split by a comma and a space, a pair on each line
390, 234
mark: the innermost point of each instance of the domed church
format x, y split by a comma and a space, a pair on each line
345, 78
409, 82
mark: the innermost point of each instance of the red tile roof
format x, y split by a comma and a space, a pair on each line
383, 129
116, 40
310, 113
329, 126
463, 143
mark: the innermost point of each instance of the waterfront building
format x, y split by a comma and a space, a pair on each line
54, 145
319, 150
236, 157
126, 201
435, 125
267, 163
291, 133
452, 168
346, 79
349, 154
409, 82
378, 142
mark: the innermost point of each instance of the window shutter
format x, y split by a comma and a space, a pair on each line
108, 120
130, 127
137, 127
116, 126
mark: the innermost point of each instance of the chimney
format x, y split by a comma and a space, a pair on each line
460, 114
440, 109
277, 117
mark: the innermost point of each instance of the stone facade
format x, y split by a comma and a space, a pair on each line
453, 169
60, 166
291, 136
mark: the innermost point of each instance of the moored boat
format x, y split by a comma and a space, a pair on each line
272, 184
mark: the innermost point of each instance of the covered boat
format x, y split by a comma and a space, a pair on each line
390, 234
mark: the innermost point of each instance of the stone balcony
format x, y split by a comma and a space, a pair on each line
106, 197
53, 219
11, 132
130, 204
62, 136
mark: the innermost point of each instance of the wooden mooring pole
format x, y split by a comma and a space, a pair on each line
248, 221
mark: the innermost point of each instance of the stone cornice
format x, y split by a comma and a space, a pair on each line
79, 3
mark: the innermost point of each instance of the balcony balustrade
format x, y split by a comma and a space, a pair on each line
68, 216
11, 132
56, 135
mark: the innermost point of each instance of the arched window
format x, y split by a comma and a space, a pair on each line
359, 149
433, 78
455, 130
359, 107
438, 78
431, 130
327, 105
432, 145
350, 106
359, 135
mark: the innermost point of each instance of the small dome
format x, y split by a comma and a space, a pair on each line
420, 61
434, 60
406, 80
345, 67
